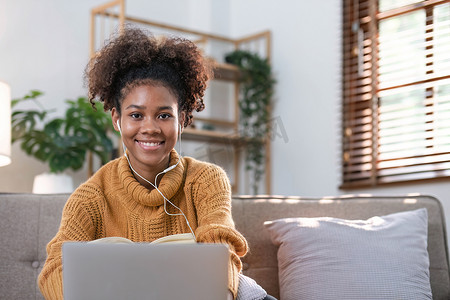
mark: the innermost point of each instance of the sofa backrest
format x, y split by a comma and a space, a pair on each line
249, 214
27, 223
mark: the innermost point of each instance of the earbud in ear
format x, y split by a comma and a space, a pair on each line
179, 125
119, 126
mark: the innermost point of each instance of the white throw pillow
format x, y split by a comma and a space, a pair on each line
328, 258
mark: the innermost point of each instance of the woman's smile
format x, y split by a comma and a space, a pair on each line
150, 145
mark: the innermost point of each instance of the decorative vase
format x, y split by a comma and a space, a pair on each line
51, 183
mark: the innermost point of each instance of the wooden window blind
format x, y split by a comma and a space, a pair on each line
396, 91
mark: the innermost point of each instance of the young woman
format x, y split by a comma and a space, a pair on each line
151, 86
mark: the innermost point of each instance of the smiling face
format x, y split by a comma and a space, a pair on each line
149, 122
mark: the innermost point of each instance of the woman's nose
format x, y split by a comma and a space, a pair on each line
150, 126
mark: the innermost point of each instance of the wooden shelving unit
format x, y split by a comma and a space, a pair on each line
115, 10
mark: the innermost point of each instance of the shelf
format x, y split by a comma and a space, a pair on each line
226, 72
225, 123
212, 136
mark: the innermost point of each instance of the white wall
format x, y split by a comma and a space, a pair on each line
44, 45
306, 60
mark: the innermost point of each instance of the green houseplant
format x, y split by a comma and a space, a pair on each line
256, 84
62, 142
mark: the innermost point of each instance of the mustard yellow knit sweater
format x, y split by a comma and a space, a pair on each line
114, 203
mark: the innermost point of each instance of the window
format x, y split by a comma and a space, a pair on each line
396, 91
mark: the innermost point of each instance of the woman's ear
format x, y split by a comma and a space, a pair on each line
115, 117
181, 121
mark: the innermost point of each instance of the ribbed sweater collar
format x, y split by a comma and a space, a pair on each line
134, 193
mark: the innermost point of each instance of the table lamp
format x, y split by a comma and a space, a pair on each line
5, 124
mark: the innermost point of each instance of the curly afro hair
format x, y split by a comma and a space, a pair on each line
135, 58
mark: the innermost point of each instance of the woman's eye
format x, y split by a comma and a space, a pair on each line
164, 116
135, 115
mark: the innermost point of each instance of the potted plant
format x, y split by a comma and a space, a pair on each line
256, 90
62, 143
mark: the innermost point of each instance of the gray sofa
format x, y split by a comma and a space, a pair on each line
29, 221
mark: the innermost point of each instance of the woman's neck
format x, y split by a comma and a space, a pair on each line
150, 178
146, 176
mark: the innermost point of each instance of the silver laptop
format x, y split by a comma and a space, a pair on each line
144, 271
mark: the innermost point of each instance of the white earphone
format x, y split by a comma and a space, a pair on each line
118, 125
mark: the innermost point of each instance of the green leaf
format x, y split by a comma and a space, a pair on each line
62, 142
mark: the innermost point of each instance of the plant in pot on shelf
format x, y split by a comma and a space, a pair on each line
256, 90
62, 143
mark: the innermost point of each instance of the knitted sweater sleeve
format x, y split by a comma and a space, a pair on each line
212, 198
77, 224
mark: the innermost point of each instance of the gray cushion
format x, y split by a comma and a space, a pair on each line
330, 258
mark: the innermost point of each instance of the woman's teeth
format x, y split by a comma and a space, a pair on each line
150, 144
